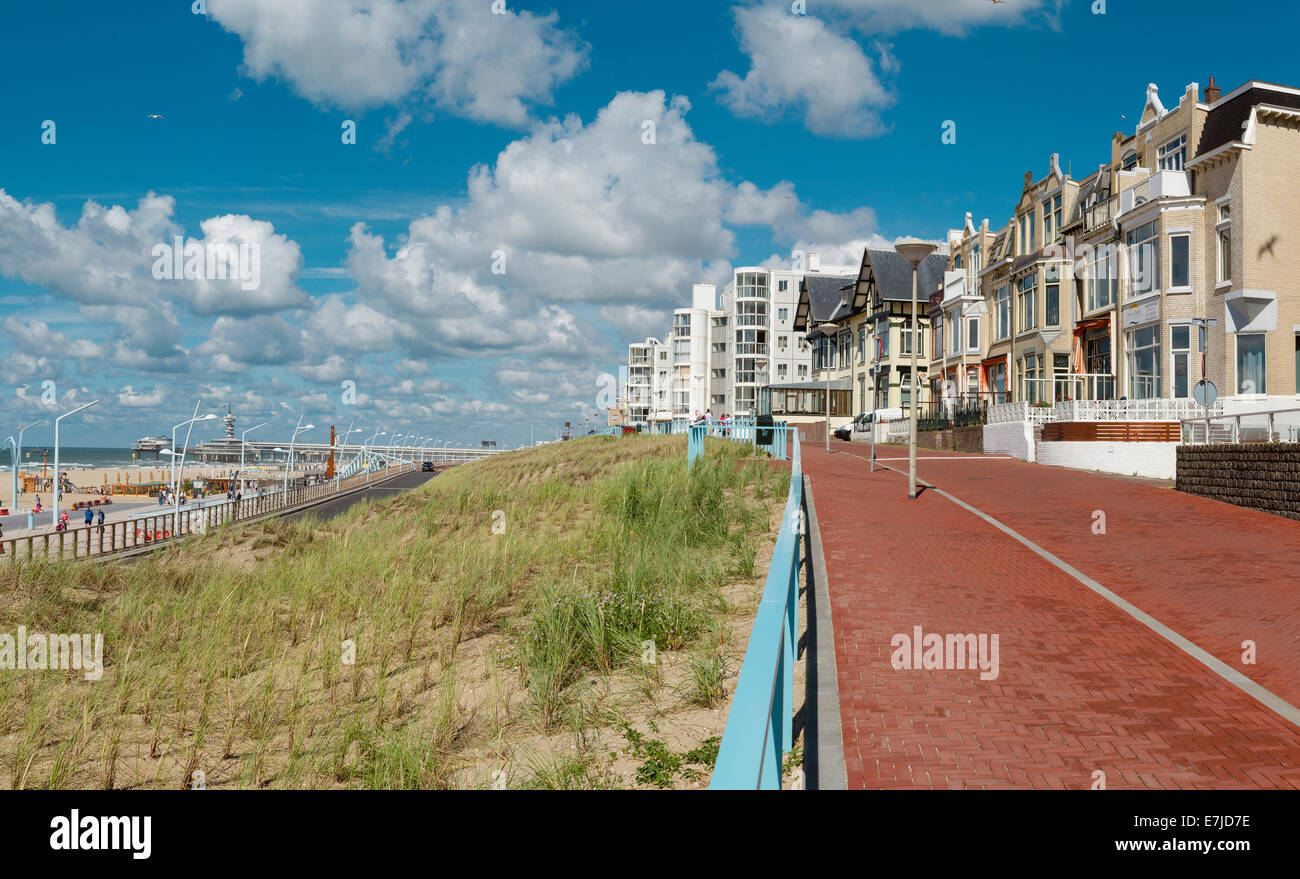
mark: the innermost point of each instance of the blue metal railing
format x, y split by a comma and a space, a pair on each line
741, 430
759, 726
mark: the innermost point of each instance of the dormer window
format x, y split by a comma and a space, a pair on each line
1129, 161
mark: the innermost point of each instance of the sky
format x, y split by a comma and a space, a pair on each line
528, 188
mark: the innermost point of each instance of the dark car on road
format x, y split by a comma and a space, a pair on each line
427, 466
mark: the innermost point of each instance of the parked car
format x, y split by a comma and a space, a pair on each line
861, 422
427, 466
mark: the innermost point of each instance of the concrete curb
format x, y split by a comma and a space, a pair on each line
824, 735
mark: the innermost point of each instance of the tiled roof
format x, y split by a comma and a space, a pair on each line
893, 275
1224, 122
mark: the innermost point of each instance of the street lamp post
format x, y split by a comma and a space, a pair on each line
180, 468
343, 449
289, 465
16, 453
57, 483
242, 438
829, 330
914, 251
367, 448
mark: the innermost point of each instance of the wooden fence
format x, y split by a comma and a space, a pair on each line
111, 537
1113, 431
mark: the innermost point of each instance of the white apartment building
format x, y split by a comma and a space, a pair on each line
762, 346
649, 382
694, 331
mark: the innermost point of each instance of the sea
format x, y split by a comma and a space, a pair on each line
83, 458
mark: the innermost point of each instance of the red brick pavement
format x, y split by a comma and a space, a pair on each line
1082, 686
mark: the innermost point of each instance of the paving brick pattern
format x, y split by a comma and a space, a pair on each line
1082, 686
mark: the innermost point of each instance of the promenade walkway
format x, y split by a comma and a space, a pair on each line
1103, 649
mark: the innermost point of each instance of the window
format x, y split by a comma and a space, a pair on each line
1250, 364
1225, 256
1180, 261
781, 367
938, 334
719, 347
1103, 279
1002, 313
782, 286
803, 370
1051, 219
862, 343
882, 339
907, 332
782, 342
844, 343
1143, 260
1144, 363
751, 285
719, 374
1173, 155
751, 314
1180, 344
1053, 311
1026, 302
1130, 160
1035, 388
783, 314
973, 334
998, 381
904, 389
1027, 233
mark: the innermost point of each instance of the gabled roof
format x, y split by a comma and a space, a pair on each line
821, 295
891, 274
1224, 122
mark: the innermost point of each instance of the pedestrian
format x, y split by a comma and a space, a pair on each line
38, 503
100, 522
63, 519
90, 516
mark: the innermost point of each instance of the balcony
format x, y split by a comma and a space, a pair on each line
1161, 184
1099, 214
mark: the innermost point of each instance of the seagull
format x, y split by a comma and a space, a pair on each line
155, 116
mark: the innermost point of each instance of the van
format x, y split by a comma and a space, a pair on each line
880, 415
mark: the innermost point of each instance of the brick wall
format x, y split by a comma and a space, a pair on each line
960, 439
1254, 475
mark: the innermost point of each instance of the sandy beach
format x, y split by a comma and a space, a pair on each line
97, 482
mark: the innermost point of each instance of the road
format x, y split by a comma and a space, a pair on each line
332, 508
1123, 612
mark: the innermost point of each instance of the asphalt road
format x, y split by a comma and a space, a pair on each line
330, 509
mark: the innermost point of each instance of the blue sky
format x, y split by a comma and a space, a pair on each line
519, 134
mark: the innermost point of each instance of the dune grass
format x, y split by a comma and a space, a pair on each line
404, 644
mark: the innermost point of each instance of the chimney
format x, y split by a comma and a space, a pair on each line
1211, 92
814, 262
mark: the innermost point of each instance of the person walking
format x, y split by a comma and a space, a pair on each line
90, 516
100, 521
